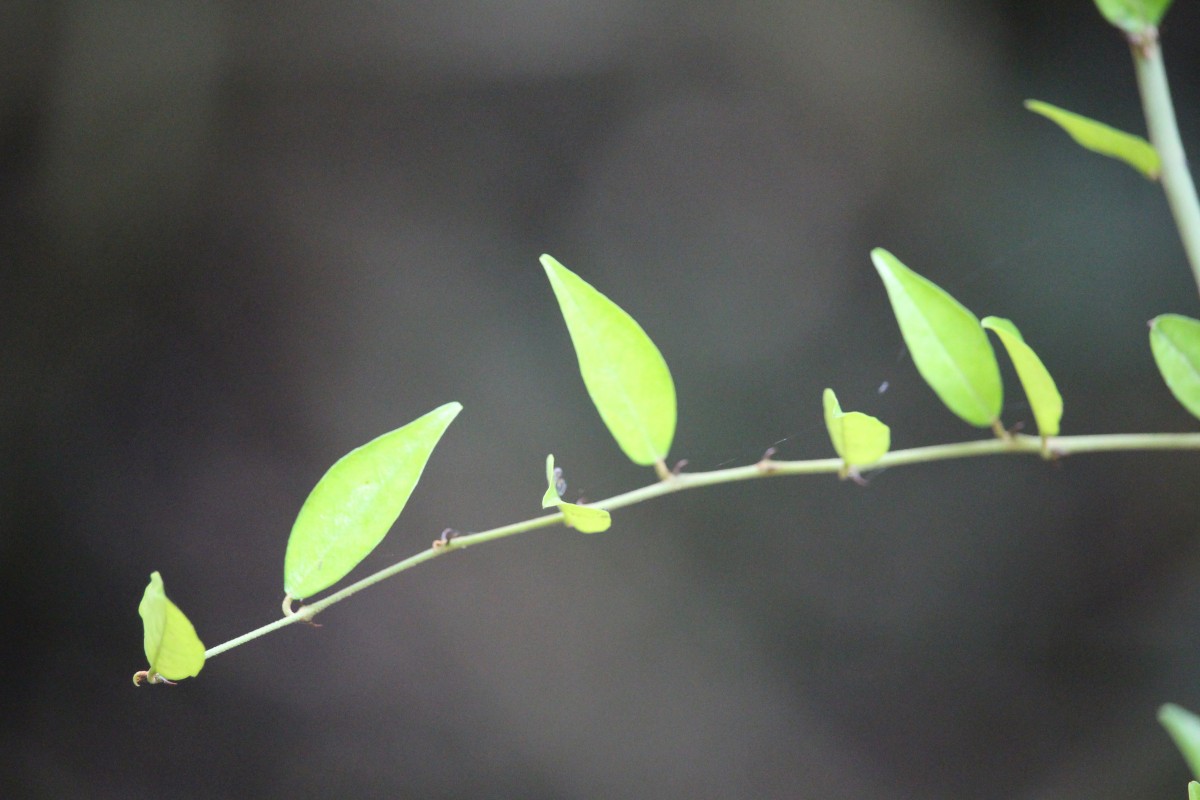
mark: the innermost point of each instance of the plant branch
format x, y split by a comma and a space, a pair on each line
1057, 446
1164, 135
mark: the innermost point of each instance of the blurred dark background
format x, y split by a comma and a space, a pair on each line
239, 239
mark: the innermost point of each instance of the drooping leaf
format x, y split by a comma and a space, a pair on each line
1044, 399
1133, 15
585, 519
1175, 342
1103, 139
356, 503
858, 438
623, 371
951, 351
1184, 728
172, 647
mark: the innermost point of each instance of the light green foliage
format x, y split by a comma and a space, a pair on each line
858, 438
1193, 790
585, 519
1044, 399
1103, 139
357, 501
1184, 728
1133, 15
172, 647
551, 498
624, 372
1175, 342
951, 351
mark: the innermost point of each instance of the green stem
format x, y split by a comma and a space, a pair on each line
1164, 135
1056, 446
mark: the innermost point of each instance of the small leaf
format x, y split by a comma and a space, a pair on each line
356, 503
1103, 139
858, 438
172, 647
585, 519
1133, 16
1175, 342
1184, 728
1193, 790
624, 372
551, 498
951, 351
1044, 399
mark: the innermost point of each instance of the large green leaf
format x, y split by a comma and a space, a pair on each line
1103, 139
585, 519
1175, 341
859, 439
172, 647
357, 501
624, 372
951, 351
1184, 728
1044, 399
1133, 15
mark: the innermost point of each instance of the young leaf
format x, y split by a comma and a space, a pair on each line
858, 438
1193, 790
585, 519
624, 372
172, 647
1103, 139
1184, 728
1044, 399
1175, 342
1133, 16
357, 501
551, 498
951, 351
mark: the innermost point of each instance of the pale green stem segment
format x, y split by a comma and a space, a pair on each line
1055, 446
1164, 135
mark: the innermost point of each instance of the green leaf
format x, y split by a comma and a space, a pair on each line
551, 498
1044, 399
1193, 790
1103, 139
1175, 342
1133, 16
172, 647
357, 501
624, 372
951, 351
585, 519
858, 438
1184, 728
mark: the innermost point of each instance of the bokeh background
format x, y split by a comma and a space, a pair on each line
239, 239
